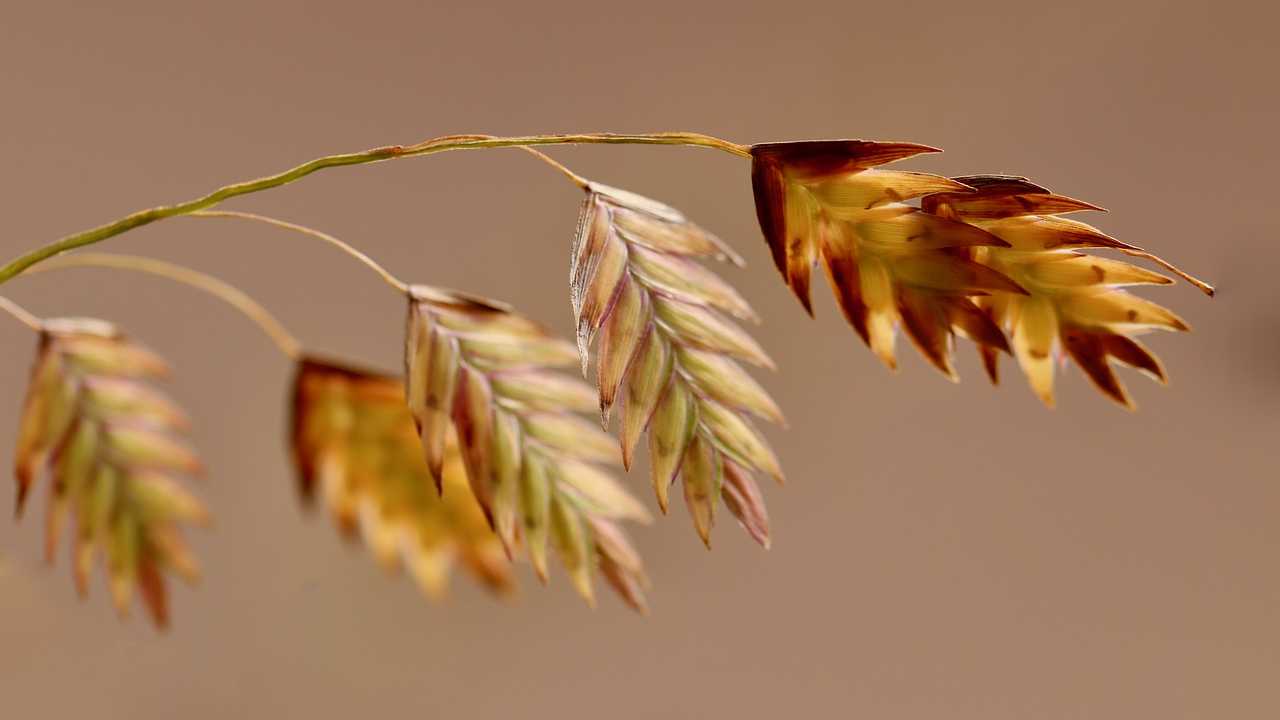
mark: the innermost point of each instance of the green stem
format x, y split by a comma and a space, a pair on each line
435, 145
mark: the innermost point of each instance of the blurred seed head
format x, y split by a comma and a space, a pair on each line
108, 441
357, 451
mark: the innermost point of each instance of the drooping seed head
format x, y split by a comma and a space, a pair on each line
496, 380
109, 443
1072, 303
889, 264
667, 349
357, 451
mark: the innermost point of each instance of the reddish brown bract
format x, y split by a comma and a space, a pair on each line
889, 264
1072, 303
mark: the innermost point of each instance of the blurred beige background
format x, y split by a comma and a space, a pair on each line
941, 551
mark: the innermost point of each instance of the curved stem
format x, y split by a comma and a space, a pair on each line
21, 313
427, 147
385, 274
288, 344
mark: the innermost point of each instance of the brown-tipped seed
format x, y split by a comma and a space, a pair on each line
1069, 303
666, 347
890, 265
106, 440
530, 456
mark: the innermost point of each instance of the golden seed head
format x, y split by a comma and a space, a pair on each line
981, 256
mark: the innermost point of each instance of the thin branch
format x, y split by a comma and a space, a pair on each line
574, 178
288, 344
21, 313
427, 147
385, 274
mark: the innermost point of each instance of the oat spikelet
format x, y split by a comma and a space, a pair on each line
107, 440
888, 263
667, 352
355, 446
1072, 304
532, 460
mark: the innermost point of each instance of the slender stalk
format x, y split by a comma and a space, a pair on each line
382, 272
427, 147
21, 313
350, 249
574, 177
288, 344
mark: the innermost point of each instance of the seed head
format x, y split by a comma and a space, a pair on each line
667, 349
889, 263
108, 441
1072, 303
495, 379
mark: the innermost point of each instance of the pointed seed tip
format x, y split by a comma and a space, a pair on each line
805, 302
917, 146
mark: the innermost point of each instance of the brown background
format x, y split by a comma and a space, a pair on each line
941, 552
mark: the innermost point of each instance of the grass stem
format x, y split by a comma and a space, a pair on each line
380, 154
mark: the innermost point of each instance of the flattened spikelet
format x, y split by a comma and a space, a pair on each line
531, 458
356, 448
889, 264
667, 352
982, 255
107, 441
1072, 305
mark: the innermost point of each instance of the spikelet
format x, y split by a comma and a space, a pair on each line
531, 459
667, 353
355, 446
107, 441
1073, 304
888, 263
